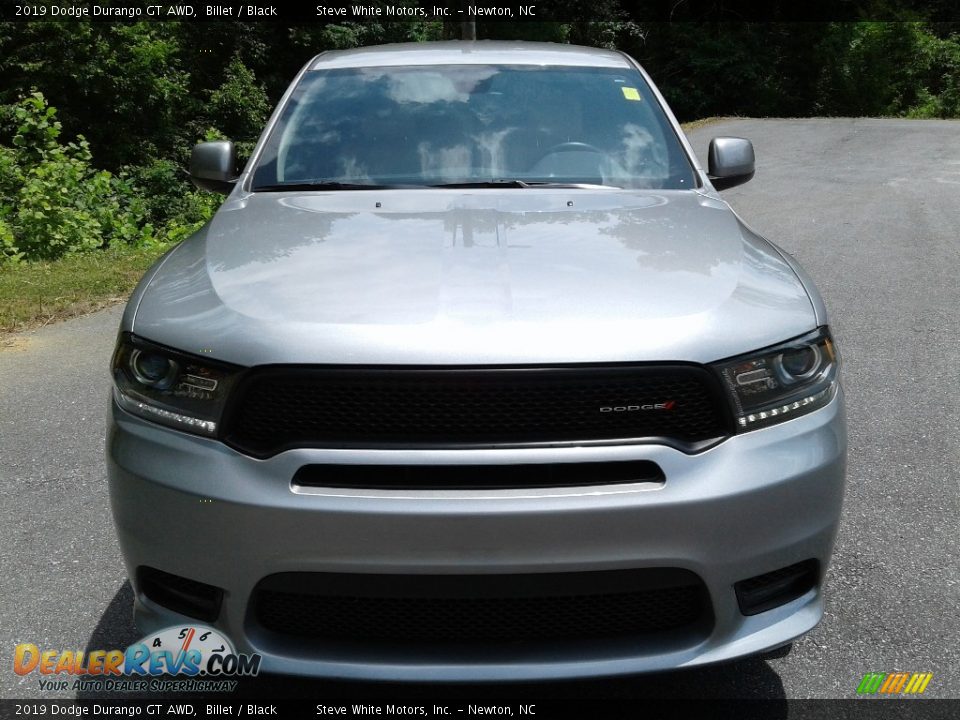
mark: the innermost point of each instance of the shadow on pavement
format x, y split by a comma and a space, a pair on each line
752, 678
115, 629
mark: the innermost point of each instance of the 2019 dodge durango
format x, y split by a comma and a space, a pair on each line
474, 375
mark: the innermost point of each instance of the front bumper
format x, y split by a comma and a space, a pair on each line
757, 502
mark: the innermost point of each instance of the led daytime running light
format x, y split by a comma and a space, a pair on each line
207, 426
756, 417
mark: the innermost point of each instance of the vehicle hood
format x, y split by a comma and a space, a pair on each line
507, 276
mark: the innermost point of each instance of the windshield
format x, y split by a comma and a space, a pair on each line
473, 124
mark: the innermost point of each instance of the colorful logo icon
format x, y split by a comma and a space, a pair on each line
901, 683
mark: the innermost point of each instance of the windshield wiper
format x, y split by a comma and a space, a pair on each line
325, 185
484, 184
522, 184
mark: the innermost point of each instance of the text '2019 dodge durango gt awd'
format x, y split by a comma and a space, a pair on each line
475, 376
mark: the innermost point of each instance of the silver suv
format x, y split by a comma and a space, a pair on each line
475, 376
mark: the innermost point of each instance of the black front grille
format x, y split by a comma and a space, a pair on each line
485, 609
278, 408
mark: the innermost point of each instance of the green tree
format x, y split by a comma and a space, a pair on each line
888, 68
120, 85
239, 107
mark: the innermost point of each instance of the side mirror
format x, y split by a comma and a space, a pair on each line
213, 166
730, 162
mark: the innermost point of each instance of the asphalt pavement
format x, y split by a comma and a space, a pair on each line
871, 208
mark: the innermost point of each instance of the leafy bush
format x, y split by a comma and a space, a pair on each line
8, 250
939, 96
170, 199
54, 201
122, 85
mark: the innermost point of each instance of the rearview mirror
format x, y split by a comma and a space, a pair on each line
730, 162
213, 166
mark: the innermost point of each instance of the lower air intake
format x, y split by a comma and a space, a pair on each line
480, 608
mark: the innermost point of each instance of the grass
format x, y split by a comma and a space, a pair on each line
33, 294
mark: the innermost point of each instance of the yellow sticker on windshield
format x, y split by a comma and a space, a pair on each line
630, 93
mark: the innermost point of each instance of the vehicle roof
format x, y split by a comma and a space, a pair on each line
472, 52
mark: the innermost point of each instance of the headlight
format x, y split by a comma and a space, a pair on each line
782, 382
170, 387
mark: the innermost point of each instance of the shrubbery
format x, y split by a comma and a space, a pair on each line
889, 69
53, 202
136, 99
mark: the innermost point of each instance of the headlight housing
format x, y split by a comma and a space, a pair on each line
780, 383
170, 387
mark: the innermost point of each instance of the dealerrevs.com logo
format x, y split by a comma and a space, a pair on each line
200, 659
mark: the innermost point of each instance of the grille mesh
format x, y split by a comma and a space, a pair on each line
480, 619
279, 408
